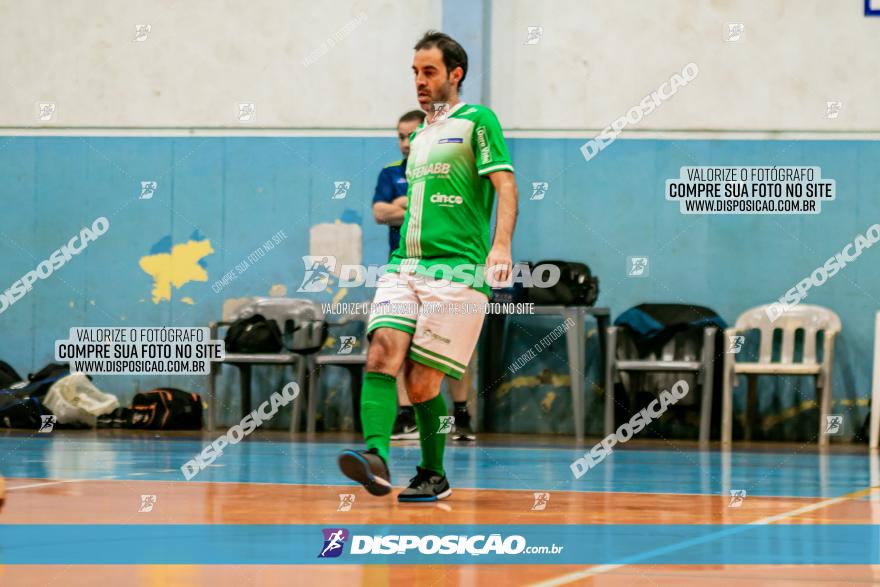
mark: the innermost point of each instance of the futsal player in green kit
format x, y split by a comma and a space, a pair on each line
458, 161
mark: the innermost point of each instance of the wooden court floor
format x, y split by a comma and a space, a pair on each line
87, 479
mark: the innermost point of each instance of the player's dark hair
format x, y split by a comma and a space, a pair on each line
412, 115
454, 54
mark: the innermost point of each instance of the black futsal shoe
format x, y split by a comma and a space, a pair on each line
426, 486
367, 468
405, 427
463, 431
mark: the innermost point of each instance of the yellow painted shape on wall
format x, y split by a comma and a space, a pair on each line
176, 268
556, 380
547, 402
810, 404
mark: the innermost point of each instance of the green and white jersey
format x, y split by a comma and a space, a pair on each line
450, 199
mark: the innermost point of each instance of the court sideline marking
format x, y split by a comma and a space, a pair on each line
33, 485
600, 569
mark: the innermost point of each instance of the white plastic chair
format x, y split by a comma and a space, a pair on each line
810, 319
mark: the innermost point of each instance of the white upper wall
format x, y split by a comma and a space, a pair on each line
599, 58
202, 58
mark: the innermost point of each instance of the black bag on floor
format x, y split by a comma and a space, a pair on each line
576, 286
20, 413
8, 376
38, 383
118, 418
253, 335
166, 408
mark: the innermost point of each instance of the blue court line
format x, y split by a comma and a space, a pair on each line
546, 469
302, 544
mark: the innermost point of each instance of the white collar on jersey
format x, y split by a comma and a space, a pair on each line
448, 114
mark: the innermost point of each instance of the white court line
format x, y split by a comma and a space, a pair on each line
32, 485
600, 569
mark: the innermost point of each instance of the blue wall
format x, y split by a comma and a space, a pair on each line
238, 192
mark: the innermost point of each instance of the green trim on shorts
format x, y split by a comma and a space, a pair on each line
427, 361
435, 355
401, 318
391, 320
389, 324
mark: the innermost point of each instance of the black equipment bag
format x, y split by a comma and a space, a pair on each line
20, 405
253, 335
118, 418
576, 286
38, 383
20, 413
166, 408
8, 375
301, 321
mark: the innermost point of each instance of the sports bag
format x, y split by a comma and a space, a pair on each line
253, 334
166, 408
37, 384
301, 321
20, 413
75, 400
40, 382
576, 286
8, 375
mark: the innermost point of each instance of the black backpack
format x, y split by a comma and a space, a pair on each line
20, 413
576, 286
253, 335
38, 383
166, 408
20, 405
8, 376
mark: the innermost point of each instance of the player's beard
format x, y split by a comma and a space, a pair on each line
443, 95
444, 92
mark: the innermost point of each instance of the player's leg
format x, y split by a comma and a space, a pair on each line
378, 407
442, 345
423, 387
405, 427
390, 334
388, 347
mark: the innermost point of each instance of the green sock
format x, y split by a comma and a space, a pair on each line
428, 415
378, 410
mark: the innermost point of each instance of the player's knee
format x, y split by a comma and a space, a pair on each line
385, 355
414, 391
422, 384
419, 392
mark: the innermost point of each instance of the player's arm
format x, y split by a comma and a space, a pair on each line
390, 213
493, 163
505, 222
388, 208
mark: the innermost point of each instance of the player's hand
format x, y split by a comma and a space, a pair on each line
400, 201
499, 266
